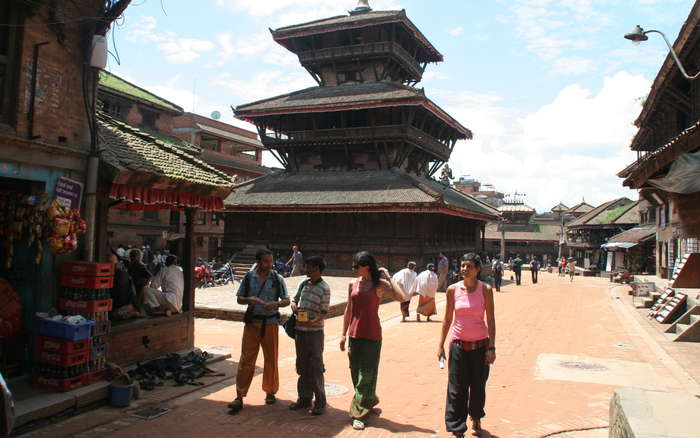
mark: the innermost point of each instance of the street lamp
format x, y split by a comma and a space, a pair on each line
638, 35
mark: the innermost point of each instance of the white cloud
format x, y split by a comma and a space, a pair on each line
573, 66
455, 32
568, 148
143, 31
185, 50
264, 84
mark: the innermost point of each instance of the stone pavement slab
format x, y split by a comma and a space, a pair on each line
581, 319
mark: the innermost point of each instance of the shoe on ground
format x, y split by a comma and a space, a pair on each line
235, 406
476, 427
358, 424
299, 404
318, 410
270, 399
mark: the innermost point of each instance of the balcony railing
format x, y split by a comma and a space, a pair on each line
365, 134
382, 48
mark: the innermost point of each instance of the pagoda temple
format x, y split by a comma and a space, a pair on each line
359, 151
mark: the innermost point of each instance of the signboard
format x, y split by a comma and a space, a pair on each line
69, 192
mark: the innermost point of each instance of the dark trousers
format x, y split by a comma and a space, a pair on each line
309, 346
518, 275
534, 276
404, 307
466, 387
498, 279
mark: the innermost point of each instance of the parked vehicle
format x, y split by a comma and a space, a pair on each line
224, 275
7, 409
203, 274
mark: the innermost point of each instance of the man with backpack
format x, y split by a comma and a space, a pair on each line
264, 291
518, 269
497, 272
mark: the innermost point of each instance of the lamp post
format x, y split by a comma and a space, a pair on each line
638, 35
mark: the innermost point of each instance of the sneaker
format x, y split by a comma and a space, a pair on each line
358, 424
270, 399
235, 406
299, 404
318, 410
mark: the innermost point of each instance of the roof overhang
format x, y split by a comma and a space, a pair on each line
255, 143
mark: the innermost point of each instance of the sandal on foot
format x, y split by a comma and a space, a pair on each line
476, 427
270, 399
235, 406
299, 404
358, 424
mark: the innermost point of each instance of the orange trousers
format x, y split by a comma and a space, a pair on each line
250, 346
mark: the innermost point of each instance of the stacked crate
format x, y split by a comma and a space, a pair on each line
61, 354
87, 292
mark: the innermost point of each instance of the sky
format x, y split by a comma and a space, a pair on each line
550, 88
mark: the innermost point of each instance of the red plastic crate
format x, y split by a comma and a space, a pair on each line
62, 359
87, 282
57, 345
96, 376
61, 385
89, 269
85, 306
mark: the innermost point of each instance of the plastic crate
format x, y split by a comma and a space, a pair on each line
101, 328
62, 359
88, 269
61, 385
56, 345
99, 351
63, 330
85, 306
87, 282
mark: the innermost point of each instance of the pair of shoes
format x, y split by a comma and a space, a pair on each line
458, 434
318, 410
358, 424
235, 406
270, 399
299, 404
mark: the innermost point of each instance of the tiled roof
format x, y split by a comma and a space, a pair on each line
548, 233
635, 234
560, 207
515, 208
182, 144
355, 21
252, 142
344, 97
617, 211
581, 207
127, 148
114, 82
388, 188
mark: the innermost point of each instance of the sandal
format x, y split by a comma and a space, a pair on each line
235, 406
358, 424
270, 399
476, 427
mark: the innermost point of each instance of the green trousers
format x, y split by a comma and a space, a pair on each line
364, 367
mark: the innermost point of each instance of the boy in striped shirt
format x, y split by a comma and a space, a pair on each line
311, 306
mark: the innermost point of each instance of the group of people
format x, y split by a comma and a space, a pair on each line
469, 321
425, 285
139, 289
567, 266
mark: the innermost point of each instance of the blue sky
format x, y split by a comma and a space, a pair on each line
549, 87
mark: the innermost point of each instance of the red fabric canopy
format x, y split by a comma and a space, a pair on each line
146, 198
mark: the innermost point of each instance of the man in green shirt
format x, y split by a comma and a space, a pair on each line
518, 269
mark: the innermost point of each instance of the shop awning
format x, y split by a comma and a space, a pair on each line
146, 198
630, 238
611, 246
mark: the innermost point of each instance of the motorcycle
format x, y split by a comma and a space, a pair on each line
224, 275
203, 275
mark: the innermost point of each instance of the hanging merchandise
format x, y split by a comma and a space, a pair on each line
23, 217
10, 311
65, 225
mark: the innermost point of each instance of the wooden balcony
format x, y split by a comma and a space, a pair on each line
373, 134
368, 50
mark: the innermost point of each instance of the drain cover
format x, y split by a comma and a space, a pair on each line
333, 389
150, 412
575, 365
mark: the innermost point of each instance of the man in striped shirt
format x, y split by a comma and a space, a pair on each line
311, 306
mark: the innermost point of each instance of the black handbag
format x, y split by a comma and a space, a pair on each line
290, 326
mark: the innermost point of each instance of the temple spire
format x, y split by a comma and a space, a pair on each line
362, 7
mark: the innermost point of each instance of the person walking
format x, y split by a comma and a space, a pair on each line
426, 286
497, 272
406, 279
571, 267
361, 324
297, 261
472, 348
562, 266
534, 269
443, 266
518, 269
310, 305
264, 292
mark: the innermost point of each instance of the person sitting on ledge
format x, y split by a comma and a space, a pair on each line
171, 282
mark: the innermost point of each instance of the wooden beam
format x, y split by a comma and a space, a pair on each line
188, 260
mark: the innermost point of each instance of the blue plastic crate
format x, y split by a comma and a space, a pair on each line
64, 330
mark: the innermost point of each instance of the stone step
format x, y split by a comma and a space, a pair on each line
694, 319
680, 328
671, 336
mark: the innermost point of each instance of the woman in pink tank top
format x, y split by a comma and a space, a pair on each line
469, 313
361, 324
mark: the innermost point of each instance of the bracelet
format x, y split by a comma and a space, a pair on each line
492, 348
